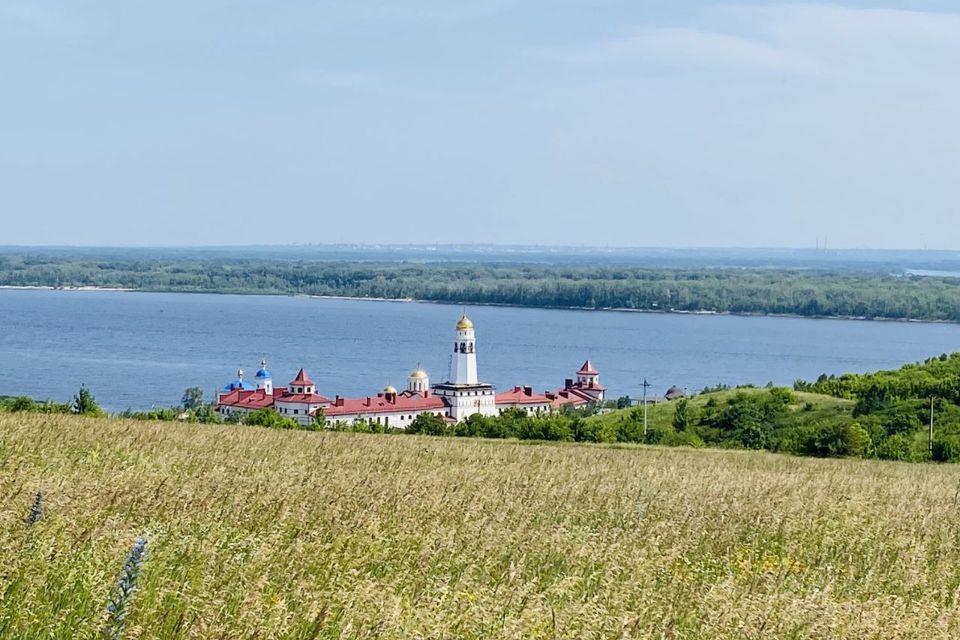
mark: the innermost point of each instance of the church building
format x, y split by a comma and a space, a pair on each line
463, 392
460, 396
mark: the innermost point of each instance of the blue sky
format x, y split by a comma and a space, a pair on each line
599, 122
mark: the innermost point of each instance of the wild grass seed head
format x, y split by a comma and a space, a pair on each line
36, 509
122, 597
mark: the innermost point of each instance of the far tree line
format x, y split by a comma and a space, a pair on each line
749, 291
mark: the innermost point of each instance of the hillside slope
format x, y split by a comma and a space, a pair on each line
270, 534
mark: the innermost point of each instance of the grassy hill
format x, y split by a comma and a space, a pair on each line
802, 409
782, 420
256, 533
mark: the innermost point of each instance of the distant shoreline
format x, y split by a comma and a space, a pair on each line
31, 287
681, 312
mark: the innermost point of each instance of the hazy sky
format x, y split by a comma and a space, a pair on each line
600, 122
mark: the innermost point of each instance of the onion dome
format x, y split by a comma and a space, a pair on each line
389, 390
464, 323
418, 374
239, 384
263, 374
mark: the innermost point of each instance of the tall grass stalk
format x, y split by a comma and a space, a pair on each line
122, 597
36, 510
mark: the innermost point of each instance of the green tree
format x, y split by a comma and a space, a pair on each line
269, 418
319, 421
428, 424
946, 448
23, 403
85, 404
902, 422
682, 420
896, 447
192, 399
837, 439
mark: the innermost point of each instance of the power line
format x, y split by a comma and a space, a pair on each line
646, 385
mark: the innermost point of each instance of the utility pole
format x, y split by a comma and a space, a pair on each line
645, 385
930, 432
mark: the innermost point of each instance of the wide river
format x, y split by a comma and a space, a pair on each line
137, 350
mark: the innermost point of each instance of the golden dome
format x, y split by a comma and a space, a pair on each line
464, 323
419, 374
390, 389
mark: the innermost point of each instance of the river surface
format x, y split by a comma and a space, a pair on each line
138, 350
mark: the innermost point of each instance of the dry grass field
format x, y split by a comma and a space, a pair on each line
264, 534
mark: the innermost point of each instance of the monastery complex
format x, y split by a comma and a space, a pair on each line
459, 397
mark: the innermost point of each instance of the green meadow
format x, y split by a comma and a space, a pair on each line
258, 533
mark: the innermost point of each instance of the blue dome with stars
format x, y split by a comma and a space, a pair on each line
239, 384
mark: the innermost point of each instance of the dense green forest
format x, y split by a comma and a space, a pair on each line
804, 293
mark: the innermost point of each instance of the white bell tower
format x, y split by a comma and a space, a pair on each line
463, 364
463, 392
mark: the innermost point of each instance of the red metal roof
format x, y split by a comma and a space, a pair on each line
303, 398
521, 395
572, 396
302, 379
588, 370
405, 402
256, 399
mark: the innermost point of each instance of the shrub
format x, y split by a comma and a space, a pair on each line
429, 424
683, 416
896, 447
682, 439
781, 395
754, 435
902, 422
269, 418
23, 403
946, 448
85, 404
835, 440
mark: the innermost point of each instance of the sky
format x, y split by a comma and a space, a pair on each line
554, 122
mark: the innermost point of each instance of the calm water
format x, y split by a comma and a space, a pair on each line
142, 349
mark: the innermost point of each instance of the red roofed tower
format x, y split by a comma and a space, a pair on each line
302, 384
588, 376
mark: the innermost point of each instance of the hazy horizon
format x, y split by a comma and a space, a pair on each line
484, 245
605, 124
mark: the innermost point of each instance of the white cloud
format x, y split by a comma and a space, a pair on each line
693, 47
822, 40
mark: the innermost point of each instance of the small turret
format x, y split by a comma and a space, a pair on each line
263, 379
587, 375
418, 381
302, 384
